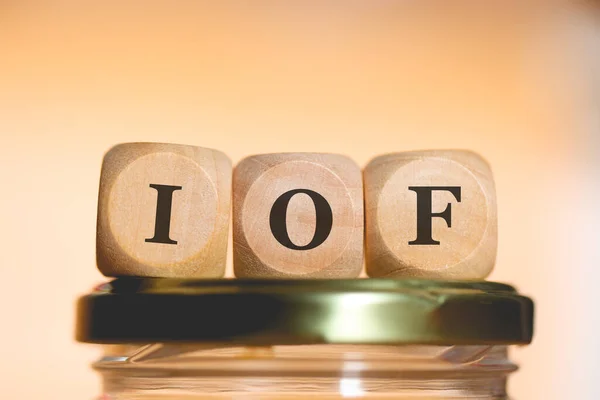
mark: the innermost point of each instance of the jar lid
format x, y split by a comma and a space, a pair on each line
279, 312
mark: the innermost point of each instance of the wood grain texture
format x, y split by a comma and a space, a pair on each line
129, 211
466, 248
261, 181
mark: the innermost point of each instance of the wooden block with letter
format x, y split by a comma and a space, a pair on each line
297, 215
430, 214
163, 211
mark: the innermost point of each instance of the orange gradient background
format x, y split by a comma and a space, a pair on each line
516, 81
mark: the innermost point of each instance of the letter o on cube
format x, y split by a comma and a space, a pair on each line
297, 215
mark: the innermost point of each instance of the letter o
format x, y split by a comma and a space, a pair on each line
277, 219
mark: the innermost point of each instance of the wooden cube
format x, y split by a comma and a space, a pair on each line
297, 215
163, 211
430, 214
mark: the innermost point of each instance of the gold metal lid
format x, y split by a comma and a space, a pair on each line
277, 312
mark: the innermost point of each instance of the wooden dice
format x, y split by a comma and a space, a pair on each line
430, 214
297, 215
163, 211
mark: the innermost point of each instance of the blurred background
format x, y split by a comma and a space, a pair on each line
517, 81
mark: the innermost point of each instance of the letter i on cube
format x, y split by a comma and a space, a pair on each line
163, 211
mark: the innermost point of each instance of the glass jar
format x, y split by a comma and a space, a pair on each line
367, 338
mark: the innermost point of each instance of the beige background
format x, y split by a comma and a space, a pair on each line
515, 81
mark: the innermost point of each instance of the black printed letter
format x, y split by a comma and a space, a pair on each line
277, 219
162, 225
425, 214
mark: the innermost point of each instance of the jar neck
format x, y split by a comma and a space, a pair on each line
161, 371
